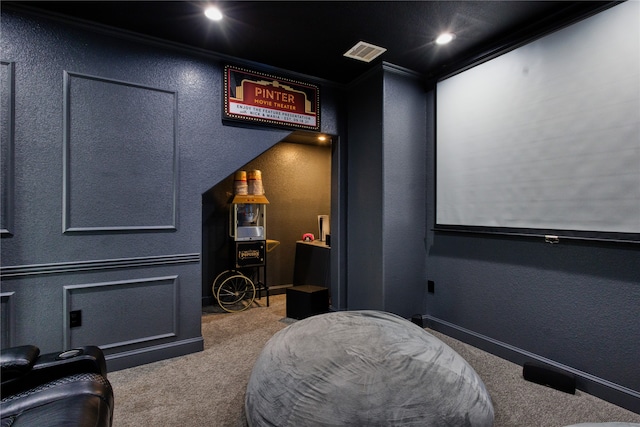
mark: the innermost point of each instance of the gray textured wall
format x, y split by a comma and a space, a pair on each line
364, 194
386, 197
116, 140
404, 206
573, 305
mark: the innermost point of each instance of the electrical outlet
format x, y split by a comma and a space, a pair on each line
431, 286
75, 318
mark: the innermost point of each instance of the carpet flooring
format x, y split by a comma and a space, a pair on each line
207, 388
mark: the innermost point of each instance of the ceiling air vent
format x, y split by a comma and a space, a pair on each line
365, 52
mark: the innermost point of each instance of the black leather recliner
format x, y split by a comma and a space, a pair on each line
56, 389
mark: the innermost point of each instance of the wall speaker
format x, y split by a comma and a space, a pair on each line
550, 377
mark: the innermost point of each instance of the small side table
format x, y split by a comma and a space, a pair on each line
307, 300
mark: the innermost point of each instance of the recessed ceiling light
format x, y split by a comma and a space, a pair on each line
213, 13
445, 38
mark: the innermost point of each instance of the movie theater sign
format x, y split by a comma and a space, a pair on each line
263, 98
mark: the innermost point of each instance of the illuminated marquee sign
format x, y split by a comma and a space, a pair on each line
258, 97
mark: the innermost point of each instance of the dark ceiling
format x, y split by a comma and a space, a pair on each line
310, 37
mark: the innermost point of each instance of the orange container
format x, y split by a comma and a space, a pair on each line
255, 186
240, 183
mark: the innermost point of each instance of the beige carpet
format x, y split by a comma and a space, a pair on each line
207, 388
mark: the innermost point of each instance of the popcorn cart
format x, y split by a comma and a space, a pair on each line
235, 289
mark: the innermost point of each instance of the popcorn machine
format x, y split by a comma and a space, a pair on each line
235, 289
247, 217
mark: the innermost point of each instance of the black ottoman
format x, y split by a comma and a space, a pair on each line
307, 300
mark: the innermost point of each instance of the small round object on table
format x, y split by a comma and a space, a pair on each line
363, 368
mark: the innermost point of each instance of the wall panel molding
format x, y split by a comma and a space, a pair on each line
122, 313
7, 319
7, 126
120, 160
19, 271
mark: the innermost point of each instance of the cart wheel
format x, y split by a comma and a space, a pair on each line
221, 278
236, 293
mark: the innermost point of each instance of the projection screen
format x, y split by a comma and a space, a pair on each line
546, 136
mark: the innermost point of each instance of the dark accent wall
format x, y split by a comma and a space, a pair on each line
297, 183
115, 140
573, 305
364, 194
386, 197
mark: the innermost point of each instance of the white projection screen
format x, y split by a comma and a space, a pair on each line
546, 136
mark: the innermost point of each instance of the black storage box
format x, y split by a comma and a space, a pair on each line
307, 300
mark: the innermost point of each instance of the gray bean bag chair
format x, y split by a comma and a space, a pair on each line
363, 368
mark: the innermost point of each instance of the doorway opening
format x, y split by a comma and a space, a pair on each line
297, 180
